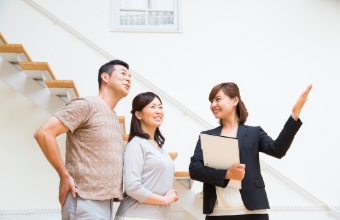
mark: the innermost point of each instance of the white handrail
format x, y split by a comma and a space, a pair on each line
141, 78
163, 94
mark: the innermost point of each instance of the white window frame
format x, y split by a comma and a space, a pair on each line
115, 19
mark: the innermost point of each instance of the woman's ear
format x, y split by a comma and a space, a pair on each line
236, 100
138, 115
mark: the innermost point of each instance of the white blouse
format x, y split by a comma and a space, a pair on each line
229, 202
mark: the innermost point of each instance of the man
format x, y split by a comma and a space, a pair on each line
92, 174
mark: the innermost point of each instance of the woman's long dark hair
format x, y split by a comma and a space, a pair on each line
138, 103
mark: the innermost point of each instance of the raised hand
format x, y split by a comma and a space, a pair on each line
300, 102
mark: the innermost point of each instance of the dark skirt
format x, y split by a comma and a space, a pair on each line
239, 217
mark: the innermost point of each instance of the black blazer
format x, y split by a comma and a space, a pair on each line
251, 140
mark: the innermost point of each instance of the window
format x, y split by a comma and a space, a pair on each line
146, 15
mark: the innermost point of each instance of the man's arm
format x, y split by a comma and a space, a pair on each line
46, 138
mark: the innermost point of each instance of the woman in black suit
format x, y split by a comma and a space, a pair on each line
250, 202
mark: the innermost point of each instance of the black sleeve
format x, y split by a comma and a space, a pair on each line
203, 173
279, 147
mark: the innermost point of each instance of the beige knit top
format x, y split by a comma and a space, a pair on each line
94, 148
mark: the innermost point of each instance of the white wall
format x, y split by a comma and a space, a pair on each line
27, 179
271, 49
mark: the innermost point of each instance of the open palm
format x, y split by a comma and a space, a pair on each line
300, 102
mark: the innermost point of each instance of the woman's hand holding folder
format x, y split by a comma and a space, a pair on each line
236, 172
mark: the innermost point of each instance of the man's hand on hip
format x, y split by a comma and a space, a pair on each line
66, 184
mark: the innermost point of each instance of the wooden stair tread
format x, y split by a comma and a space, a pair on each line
125, 137
37, 66
182, 174
121, 120
62, 84
14, 48
2, 38
173, 155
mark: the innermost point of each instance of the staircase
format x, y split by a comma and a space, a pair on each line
35, 80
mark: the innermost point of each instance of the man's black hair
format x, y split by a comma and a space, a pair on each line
109, 68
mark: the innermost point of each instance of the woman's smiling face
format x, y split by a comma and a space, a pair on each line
152, 114
222, 106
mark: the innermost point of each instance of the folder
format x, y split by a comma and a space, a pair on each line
221, 152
